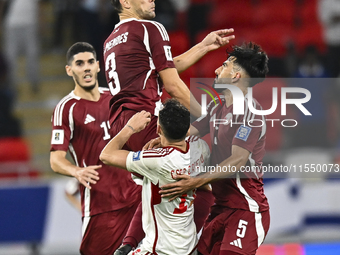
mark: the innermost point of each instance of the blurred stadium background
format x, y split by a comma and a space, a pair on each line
35, 217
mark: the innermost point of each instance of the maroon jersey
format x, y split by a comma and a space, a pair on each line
81, 126
134, 53
245, 190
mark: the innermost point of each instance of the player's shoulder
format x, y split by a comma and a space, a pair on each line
67, 101
158, 152
156, 27
104, 91
253, 101
196, 142
65, 105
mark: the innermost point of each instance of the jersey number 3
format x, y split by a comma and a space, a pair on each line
110, 68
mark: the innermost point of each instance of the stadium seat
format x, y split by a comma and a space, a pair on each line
308, 12
15, 159
179, 42
13, 149
309, 34
273, 39
274, 12
233, 14
209, 63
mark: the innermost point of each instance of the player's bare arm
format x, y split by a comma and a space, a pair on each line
212, 41
113, 154
177, 89
238, 158
85, 175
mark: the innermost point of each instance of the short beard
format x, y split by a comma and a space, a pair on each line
88, 88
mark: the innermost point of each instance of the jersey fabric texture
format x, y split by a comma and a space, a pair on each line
80, 127
169, 226
105, 231
234, 230
134, 53
245, 190
239, 220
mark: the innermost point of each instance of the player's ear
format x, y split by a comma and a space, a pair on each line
98, 67
159, 130
236, 77
68, 70
125, 4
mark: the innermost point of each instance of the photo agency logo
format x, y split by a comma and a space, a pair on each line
239, 105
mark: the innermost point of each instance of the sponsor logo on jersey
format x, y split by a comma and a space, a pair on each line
168, 54
89, 119
57, 136
136, 156
237, 243
243, 133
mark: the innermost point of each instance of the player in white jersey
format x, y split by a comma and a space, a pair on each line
169, 226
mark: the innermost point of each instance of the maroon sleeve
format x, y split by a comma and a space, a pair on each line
202, 124
159, 46
61, 132
246, 137
249, 129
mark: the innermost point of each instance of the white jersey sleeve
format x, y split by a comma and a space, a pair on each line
136, 162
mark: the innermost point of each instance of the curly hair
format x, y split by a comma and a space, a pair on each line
251, 58
174, 120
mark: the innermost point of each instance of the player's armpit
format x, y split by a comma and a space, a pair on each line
177, 89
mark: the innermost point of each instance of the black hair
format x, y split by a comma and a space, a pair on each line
174, 120
252, 59
117, 6
78, 48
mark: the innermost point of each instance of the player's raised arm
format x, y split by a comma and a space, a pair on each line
178, 90
212, 41
113, 154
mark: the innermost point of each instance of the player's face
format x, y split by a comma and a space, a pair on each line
224, 73
145, 9
84, 70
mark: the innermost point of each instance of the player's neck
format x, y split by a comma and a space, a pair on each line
128, 15
182, 145
228, 96
93, 95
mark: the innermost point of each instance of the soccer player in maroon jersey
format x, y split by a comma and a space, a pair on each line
80, 124
138, 65
239, 219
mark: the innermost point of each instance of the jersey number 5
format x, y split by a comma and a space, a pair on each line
110, 68
242, 228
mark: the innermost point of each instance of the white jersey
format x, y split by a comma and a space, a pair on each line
169, 226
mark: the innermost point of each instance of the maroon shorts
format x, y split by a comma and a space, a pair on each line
238, 231
138, 140
105, 232
202, 203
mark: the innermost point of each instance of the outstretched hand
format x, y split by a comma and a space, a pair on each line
139, 121
184, 184
217, 39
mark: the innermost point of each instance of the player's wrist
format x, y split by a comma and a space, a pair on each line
131, 127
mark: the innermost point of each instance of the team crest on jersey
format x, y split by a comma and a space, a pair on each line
168, 54
136, 156
243, 133
57, 136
